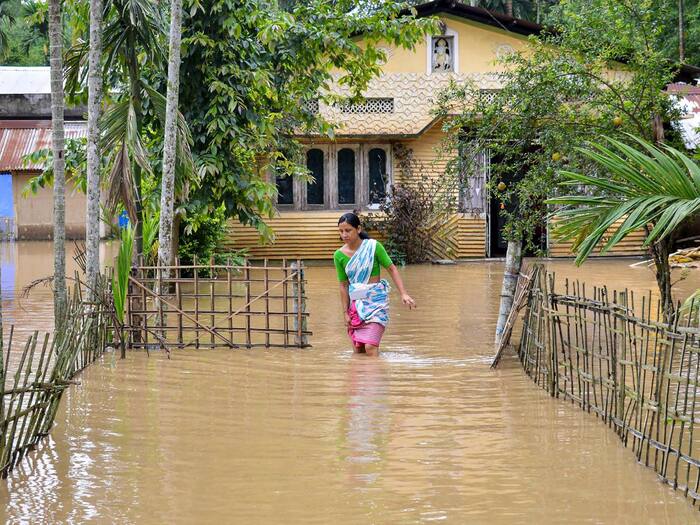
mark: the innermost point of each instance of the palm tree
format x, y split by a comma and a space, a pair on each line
132, 36
647, 187
167, 196
57, 146
681, 32
92, 225
7, 17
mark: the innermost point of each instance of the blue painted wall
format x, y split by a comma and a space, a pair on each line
7, 209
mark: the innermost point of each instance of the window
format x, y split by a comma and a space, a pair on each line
346, 176
285, 190
377, 175
369, 105
315, 189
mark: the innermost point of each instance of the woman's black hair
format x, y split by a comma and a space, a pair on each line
354, 221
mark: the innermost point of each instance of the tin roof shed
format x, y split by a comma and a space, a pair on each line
19, 138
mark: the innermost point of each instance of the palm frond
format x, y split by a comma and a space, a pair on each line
641, 185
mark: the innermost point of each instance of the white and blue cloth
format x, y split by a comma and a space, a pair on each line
371, 300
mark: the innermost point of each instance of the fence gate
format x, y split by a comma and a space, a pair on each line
211, 305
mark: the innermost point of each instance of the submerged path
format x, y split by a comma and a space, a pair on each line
427, 432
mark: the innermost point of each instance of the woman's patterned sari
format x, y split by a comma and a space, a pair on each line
369, 302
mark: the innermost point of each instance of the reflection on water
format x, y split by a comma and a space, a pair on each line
426, 432
368, 419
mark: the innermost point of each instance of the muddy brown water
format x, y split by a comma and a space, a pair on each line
424, 433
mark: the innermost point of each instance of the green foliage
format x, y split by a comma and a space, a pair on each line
200, 237
251, 67
151, 223
642, 186
120, 279
567, 89
23, 33
131, 128
76, 166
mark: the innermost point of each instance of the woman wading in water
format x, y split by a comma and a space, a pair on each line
364, 297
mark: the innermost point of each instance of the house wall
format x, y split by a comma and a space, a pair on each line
408, 81
34, 213
477, 48
312, 234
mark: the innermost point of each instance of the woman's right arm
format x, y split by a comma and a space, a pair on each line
345, 300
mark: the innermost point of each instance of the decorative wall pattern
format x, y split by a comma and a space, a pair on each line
413, 95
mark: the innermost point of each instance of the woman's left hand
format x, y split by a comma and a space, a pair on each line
408, 301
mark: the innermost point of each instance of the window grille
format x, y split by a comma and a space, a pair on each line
488, 95
311, 106
369, 105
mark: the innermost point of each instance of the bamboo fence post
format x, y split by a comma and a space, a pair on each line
196, 299
6, 456
247, 300
267, 303
691, 425
665, 379
159, 303
178, 294
299, 306
212, 301
285, 308
144, 309
230, 299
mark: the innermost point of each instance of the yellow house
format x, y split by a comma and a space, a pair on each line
396, 115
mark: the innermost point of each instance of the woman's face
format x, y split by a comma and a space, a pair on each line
348, 234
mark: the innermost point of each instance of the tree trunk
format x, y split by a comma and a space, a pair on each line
660, 252
514, 261
92, 219
137, 222
167, 191
59, 162
681, 32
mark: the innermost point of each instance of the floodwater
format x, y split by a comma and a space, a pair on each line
424, 433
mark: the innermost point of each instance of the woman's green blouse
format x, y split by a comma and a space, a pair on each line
380, 258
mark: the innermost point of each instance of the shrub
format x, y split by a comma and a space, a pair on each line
413, 212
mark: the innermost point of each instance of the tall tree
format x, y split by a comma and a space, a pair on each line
57, 145
561, 92
7, 17
92, 225
167, 191
253, 75
681, 32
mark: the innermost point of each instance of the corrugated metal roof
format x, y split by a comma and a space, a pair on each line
690, 93
23, 137
689, 104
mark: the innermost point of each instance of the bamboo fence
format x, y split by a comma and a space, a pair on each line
218, 305
34, 374
611, 354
